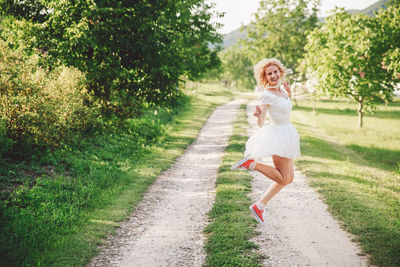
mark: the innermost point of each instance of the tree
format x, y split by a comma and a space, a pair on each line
279, 30
133, 52
348, 55
237, 67
387, 28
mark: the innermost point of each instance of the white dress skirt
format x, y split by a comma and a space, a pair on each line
279, 137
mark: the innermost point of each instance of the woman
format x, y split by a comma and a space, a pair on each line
278, 139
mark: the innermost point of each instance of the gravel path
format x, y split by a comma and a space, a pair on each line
166, 227
299, 230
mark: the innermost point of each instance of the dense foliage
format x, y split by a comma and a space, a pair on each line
133, 52
70, 66
356, 56
39, 106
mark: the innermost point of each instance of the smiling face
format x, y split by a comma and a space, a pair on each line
273, 75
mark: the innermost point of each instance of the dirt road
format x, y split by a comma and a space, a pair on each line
166, 227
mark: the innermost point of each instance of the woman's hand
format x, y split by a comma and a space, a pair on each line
260, 113
287, 89
257, 112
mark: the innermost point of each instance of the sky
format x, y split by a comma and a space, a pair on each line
238, 12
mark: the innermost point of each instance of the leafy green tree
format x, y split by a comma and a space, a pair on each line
387, 28
32, 9
350, 54
237, 67
133, 52
279, 30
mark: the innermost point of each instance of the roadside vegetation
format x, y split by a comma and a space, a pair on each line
357, 171
71, 198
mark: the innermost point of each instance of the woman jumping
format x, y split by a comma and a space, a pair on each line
278, 139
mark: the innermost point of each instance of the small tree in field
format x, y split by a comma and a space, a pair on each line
347, 56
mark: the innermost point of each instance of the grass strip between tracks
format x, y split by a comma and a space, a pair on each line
231, 228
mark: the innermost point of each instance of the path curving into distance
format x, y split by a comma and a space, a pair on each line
166, 227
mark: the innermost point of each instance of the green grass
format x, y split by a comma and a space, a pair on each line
231, 227
356, 170
84, 191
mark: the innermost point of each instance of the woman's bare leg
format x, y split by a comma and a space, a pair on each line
270, 193
270, 172
282, 174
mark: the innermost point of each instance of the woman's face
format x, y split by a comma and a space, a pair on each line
273, 75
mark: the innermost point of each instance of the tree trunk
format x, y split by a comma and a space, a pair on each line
360, 112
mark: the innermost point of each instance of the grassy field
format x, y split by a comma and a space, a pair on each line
71, 199
356, 170
231, 227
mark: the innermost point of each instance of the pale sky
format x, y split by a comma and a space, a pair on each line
238, 12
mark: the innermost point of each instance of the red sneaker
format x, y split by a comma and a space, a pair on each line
259, 214
242, 164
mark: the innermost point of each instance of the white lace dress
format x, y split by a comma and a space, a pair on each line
279, 137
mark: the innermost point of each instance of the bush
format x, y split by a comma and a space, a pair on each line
40, 107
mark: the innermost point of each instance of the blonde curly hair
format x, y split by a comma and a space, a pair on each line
260, 67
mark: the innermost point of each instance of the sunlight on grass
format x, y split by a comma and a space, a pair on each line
355, 170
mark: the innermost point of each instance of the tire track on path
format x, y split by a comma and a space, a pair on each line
166, 227
299, 230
